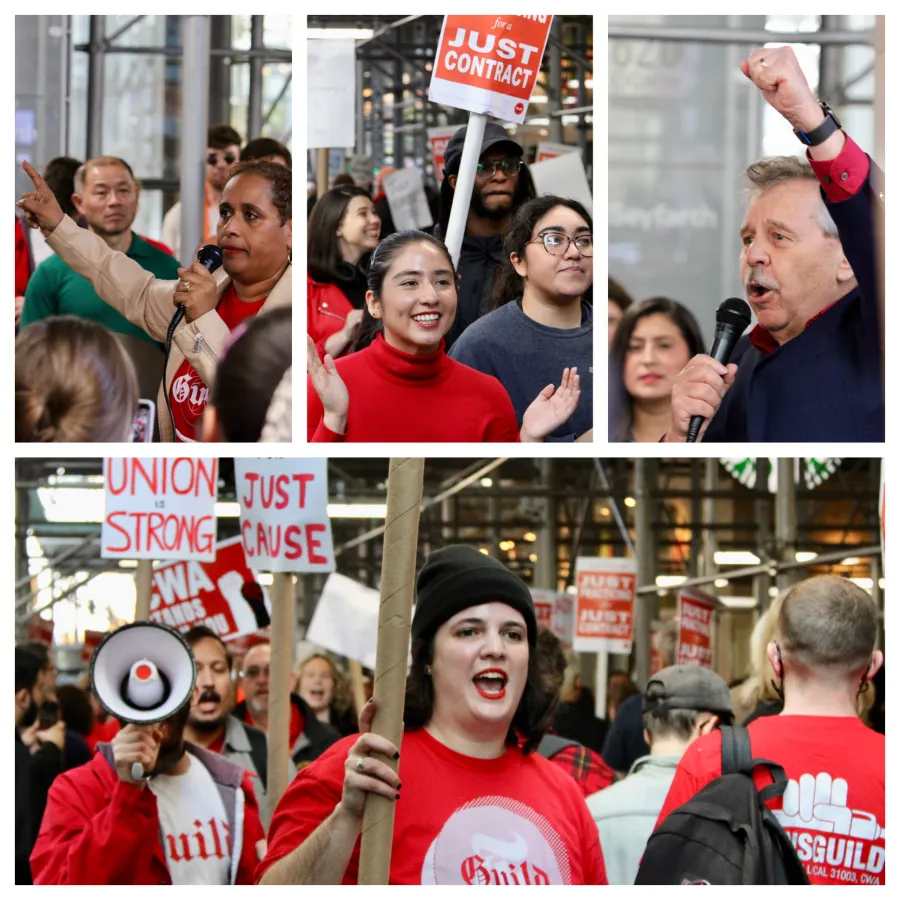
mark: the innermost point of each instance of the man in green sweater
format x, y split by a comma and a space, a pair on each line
106, 194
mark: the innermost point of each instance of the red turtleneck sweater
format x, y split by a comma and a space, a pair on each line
397, 396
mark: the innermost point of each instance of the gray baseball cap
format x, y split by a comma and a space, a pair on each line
687, 687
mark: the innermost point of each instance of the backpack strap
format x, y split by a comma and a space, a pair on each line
551, 744
258, 751
737, 758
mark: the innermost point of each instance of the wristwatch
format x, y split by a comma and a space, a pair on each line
821, 132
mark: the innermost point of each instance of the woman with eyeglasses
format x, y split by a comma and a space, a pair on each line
343, 231
254, 234
543, 311
473, 802
400, 385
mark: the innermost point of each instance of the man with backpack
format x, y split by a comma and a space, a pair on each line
680, 704
818, 771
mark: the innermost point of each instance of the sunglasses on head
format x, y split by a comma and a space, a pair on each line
213, 158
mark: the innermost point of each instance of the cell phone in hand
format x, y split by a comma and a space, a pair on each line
142, 425
48, 714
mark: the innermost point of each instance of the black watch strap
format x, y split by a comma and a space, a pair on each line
821, 132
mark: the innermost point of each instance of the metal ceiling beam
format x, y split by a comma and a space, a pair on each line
754, 37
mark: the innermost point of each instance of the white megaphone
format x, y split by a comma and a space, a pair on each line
141, 674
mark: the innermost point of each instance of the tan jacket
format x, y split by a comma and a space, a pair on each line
147, 302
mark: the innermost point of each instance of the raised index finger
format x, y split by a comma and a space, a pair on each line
32, 173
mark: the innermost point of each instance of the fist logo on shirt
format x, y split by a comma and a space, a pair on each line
819, 802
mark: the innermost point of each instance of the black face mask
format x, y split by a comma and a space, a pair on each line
29, 717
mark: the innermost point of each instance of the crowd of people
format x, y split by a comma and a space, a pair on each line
534, 788
811, 368
95, 303
496, 347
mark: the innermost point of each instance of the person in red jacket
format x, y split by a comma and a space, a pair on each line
403, 386
834, 805
343, 231
477, 804
194, 820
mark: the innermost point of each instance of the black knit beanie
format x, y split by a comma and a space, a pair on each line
457, 577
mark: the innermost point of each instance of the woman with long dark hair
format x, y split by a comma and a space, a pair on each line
474, 803
542, 319
254, 234
343, 231
402, 385
654, 341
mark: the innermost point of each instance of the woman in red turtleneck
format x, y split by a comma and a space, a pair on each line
403, 387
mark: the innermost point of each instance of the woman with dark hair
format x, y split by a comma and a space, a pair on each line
254, 234
654, 341
402, 385
543, 315
343, 231
246, 378
618, 301
477, 805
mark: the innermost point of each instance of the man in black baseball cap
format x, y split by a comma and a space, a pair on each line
680, 703
502, 184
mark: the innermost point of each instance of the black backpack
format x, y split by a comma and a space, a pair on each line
551, 744
725, 834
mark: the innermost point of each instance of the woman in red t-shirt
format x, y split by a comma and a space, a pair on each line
403, 386
342, 232
254, 234
475, 806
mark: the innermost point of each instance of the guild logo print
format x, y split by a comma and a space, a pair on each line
519, 108
190, 388
496, 840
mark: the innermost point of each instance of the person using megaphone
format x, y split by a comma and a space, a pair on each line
150, 807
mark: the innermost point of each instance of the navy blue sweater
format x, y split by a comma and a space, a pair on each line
825, 384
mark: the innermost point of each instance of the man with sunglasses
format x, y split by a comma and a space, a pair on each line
307, 736
833, 808
502, 184
223, 150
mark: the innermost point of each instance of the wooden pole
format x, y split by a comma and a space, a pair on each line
398, 572
143, 582
280, 689
322, 171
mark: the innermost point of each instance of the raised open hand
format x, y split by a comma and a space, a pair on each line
329, 386
552, 407
40, 206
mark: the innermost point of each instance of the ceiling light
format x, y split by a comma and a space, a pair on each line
529, 536
265, 578
721, 582
665, 581
630, 502
345, 34
128, 563
805, 555
486, 482
604, 511
484, 550
532, 557
72, 504
739, 602
227, 509
357, 510
735, 558
850, 561
864, 583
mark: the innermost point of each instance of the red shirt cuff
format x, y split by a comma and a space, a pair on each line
325, 435
842, 177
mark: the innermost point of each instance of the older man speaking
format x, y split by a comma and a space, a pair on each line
811, 369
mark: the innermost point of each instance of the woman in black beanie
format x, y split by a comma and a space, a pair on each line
479, 806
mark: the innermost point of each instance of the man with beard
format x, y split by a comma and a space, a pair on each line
210, 724
38, 758
502, 184
308, 737
106, 195
192, 818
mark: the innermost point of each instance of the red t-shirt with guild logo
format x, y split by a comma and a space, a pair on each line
459, 820
188, 392
833, 807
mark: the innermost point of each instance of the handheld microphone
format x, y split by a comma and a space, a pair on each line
210, 257
732, 319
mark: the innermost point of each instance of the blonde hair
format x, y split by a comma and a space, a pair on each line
74, 382
757, 687
340, 698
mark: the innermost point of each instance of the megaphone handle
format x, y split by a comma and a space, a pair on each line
137, 771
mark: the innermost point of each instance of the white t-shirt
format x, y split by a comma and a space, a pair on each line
195, 831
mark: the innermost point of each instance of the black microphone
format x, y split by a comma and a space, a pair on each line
210, 257
732, 319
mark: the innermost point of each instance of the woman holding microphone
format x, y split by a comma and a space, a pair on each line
254, 235
474, 803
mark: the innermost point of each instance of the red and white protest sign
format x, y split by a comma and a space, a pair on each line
162, 508
91, 642
555, 610
284, 514
549, 150
489, 64
695, 619
222, 594
604, 604
40, 630
438, 138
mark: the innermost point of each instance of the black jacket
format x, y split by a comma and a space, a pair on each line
34, 775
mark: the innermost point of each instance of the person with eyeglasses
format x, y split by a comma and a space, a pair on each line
308, 737
502, 184
223, 150
542, 321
